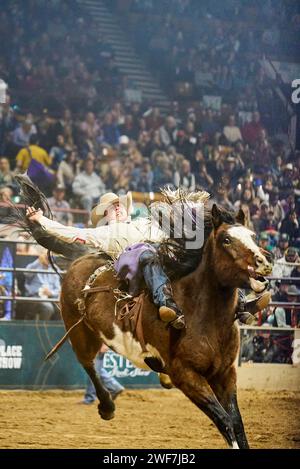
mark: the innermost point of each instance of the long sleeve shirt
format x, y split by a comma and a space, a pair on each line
88, 184
33, 282
112, 238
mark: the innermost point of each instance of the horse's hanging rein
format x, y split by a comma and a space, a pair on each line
131, 310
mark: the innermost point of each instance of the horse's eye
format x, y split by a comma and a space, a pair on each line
227, 241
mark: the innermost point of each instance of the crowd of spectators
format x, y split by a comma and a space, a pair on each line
217, 48
53, 57
83, 139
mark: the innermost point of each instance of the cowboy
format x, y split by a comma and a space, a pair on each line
115, 233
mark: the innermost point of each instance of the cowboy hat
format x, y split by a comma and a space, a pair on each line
293, 291
106, 200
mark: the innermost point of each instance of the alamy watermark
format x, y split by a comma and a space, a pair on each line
176, 221
295, 97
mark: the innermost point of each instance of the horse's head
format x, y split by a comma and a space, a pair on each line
238, 260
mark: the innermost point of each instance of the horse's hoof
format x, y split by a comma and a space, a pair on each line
165, 381
107, 416
106, 412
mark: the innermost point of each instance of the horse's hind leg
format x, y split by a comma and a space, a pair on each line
86, 345
106, 406
197, 389
165, 381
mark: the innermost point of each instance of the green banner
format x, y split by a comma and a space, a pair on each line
24, 345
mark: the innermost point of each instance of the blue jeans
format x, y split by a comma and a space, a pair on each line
111, 384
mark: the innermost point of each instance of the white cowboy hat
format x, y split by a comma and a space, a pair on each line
106, 201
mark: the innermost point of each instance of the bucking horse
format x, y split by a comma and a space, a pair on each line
200, 359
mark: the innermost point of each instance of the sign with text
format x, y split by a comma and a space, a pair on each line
24, 345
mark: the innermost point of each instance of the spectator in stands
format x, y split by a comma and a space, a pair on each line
162, 174
187, 141
284, 266
230, 165
128, 128
90, 126
7, 122
67, 170
6, 175
252, 130
168, 132
32, 152
154, 119
231, 132
26, 249
111, 132
204, 181
221, 198
278, 317
277, 167
209, 125
283, 244
113, 179
286, 180
88, 186
292, 315
263, 241
57, 202
6, 194
290, 225
280, 295
276, 205
142, 177
58, 152
21, 135
42, 285
184, 178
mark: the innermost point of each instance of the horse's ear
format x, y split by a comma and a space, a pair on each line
240, 218
216, 216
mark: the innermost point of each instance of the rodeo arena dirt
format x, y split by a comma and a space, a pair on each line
144, 419
149, 224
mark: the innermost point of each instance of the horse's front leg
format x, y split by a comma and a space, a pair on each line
226, 392
234, 412
197, 389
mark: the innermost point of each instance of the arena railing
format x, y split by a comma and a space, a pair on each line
15, 270
283, 348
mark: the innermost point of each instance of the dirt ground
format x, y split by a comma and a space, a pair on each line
144, 419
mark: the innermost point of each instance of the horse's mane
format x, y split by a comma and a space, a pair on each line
177, 259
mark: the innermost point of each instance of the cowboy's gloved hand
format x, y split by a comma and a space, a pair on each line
33, 214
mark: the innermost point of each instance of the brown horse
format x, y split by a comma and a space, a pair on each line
200, 359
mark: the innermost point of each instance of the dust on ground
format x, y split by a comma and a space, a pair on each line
144, 419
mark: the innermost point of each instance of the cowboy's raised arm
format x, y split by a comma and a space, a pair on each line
96, 237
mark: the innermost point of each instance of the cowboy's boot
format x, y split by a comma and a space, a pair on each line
160, 287
249, 305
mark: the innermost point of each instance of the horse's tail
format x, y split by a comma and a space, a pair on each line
33, 197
